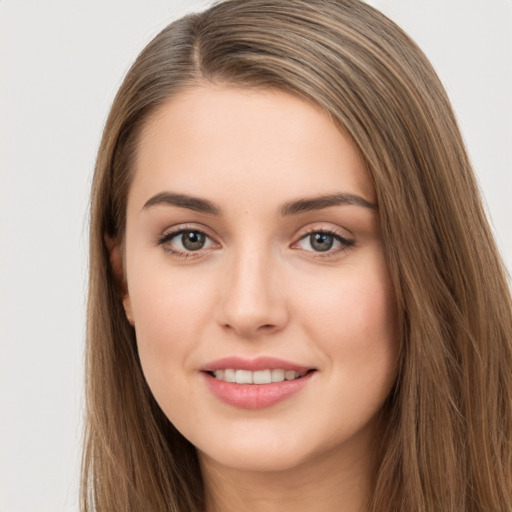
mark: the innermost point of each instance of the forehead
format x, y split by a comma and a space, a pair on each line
213, 139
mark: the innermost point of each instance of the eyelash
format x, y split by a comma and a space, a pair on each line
167, 237
345, 243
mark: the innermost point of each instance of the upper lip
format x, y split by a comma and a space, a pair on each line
258, 363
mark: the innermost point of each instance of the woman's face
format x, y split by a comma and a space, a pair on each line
253, 254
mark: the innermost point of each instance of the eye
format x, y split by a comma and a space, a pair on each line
324, 242
186, 241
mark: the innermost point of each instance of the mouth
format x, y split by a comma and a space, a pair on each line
258, 377
255, 383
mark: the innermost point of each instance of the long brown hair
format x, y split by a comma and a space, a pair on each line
447, 444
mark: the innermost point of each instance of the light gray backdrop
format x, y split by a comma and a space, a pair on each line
61, 63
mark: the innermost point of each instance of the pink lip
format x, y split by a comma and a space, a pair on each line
254, 396
259, 363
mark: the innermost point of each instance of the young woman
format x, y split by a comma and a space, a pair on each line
295, 300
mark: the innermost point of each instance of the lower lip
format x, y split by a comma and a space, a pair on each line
255, 396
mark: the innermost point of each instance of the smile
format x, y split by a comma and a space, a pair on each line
257, 377
255, 383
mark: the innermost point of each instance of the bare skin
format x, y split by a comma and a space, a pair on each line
322, 486
252, 233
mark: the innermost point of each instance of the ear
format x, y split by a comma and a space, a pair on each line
117, 265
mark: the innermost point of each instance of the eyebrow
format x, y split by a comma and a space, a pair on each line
291, 208
182, 201
325, 201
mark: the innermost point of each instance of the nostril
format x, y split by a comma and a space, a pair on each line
267, 327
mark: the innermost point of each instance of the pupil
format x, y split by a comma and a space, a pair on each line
321, 241
192, 240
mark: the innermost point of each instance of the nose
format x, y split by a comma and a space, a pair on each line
252, 299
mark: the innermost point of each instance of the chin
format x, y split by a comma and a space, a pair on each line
272, 451
257, 458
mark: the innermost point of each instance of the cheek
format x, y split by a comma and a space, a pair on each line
361, 298
354, 322
355, 329
169, 310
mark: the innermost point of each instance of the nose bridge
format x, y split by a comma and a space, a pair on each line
251, 301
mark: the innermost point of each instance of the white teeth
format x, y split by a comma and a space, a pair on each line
243, 377
290, 375
262, 377
229, 376
257, 377
277, 375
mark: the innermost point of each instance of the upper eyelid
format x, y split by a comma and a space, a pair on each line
163, 241
346, 242
341, 238
172, 232
180, 228
305, 231
337, 231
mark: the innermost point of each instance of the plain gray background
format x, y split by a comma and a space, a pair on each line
61, 63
